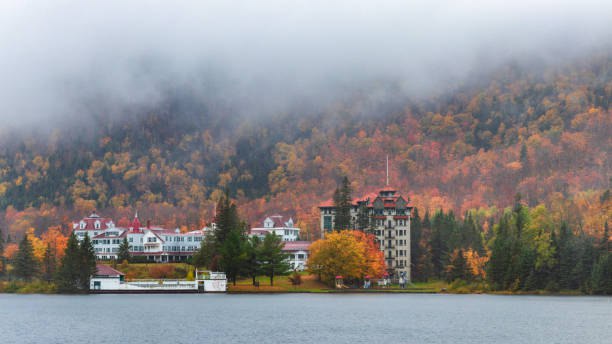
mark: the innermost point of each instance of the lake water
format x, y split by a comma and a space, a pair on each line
304, 318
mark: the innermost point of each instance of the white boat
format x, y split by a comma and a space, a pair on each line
109, 280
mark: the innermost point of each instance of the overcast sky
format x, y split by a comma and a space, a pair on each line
57, 55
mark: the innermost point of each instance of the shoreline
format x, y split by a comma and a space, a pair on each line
111, 292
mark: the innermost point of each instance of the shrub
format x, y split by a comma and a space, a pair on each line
552, 286
180, 272
295, 278
161, 271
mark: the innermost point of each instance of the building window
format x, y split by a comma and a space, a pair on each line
327, 222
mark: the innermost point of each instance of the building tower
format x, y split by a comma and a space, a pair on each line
389, 220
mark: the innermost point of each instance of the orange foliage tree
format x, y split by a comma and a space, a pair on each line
10, 250
54, 238
350, 254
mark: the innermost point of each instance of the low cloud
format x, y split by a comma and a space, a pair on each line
62, 60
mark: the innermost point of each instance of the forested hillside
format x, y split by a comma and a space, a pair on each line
545, 135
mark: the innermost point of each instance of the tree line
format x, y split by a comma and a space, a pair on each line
524, 250
72, 274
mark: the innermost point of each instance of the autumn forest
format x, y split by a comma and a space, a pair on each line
542, 135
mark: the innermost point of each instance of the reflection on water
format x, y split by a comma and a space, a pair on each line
301, 318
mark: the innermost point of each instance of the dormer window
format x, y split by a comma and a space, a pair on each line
82, 224
97, 225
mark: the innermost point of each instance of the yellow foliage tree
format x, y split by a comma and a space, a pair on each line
345, 254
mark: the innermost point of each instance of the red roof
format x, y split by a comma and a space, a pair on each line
371, 197
136, 223
278, 221
105, 270
327, 204
90, 222
297, 245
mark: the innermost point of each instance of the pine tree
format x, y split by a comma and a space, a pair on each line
458, 268
124, 251
229, 240
500, 256
227, 219
49, 264
274, 260
604, 245
363, 217
415, 247
441, 229
87, 266
567, 258
233, 255
1, 243
68, 275
206, 255
2, 261
25, 263
252, 266
343, 205
601, 280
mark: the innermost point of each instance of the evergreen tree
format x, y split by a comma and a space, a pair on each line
228, 243
343, 205
25, 263
87, 266
233, 255
521, 216
444, 239
458, 268
587, 257
601, 280
203, 257
49, 264
604, 245
1, 243
272, 257
252, 266
472, 234
68, 275
124, 251
415, 246
500, 255
567, 259
363, 217
2, 261
226, 218
423, 263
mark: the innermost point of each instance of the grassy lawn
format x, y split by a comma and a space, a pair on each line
281, 284
154, 270
311, 284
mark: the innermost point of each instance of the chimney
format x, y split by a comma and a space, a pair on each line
148, 224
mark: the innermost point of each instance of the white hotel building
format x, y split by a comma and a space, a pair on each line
389, 215
297, 250
153, 243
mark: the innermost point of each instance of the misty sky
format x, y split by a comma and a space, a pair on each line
59, 58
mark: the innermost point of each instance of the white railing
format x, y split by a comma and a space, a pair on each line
161, 284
